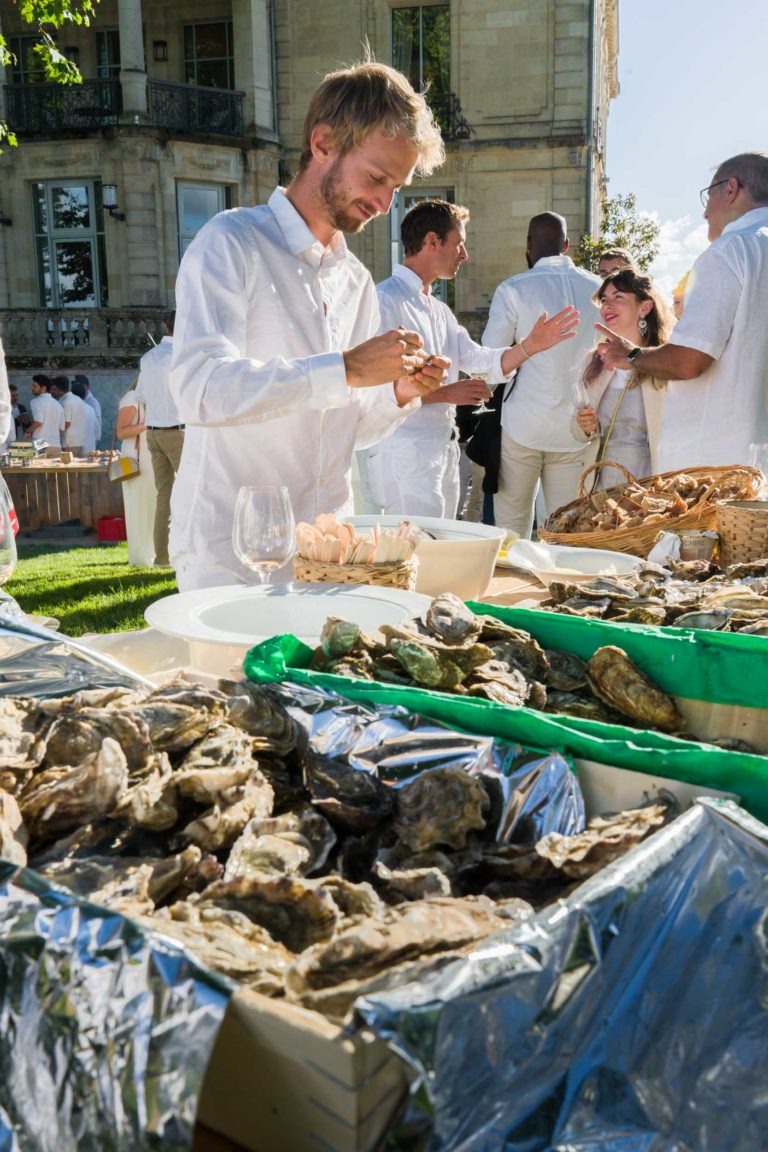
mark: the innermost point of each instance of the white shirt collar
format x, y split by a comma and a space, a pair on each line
411, 278
299, 237
561, 261
748, 219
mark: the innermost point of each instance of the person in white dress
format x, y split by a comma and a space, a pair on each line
620, 410
138, 491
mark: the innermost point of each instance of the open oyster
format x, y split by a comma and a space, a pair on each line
619, 682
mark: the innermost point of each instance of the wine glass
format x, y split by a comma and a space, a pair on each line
482, 407
263, 533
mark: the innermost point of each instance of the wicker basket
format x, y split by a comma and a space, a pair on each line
638, 539
742, 526
400, 575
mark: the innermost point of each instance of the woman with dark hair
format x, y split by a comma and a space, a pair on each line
623, 407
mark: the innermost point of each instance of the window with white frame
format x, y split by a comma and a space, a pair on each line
195, 205
209, 59
69, 244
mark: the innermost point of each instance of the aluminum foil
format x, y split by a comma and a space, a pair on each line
630, 1017
105, 1030
535, 792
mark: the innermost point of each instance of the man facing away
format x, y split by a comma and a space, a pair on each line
90, 399
536, 440
415, 470
165, 432
75, 418
77, 389
47, 414
277, 371
717, 358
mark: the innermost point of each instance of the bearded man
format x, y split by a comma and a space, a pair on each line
277, 371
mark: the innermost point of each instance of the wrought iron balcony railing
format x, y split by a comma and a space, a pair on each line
447, 109
188, 108
44, 109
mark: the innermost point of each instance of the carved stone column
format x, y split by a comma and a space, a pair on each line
254, 64
133, 75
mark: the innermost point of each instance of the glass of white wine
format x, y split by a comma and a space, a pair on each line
482, 408
263, 533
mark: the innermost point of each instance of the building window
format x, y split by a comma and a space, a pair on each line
421, 46
108, 54
27, 67
69, 244
208, 56
195, 205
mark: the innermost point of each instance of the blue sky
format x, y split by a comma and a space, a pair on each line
693, 79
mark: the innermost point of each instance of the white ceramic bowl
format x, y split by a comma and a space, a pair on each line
550, 562
460, 559
221, 624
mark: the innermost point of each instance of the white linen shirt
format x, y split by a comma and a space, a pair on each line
154, 387
714, 418
537, 412
402, 300
76, 415
95, 407
264, 312
50, 415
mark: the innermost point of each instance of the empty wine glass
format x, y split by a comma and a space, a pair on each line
263, 533
482, 408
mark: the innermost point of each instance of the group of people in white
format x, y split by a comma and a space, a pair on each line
64, 414
287, 363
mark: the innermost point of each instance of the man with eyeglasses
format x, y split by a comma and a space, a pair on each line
717, 358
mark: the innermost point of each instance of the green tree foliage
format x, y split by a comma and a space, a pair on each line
46, 16
622, 226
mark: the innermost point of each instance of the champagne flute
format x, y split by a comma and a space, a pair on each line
482, 408
263, 532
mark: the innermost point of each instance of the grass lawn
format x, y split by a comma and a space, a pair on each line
88, 589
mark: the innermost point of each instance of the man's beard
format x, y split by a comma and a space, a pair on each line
337, 211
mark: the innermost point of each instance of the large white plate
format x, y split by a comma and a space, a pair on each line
244, 615
558, 562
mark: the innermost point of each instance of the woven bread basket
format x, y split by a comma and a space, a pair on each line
398, 575
742, 526
740, 482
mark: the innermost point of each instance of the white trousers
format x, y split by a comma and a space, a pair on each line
521, 470
414, 478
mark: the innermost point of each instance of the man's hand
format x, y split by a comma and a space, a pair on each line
384, 358
423, 381
460, 392
613, 349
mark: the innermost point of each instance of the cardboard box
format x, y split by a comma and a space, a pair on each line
284, 1078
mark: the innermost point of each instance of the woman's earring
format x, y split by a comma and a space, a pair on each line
642, 325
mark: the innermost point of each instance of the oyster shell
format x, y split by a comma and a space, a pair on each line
339, 637
440, 806
221, 824
567, 672
585, 707
62, 798
294, 844
76, 735
604, 839
223, 759
451, 621
617, 680
257, 711
397, 885
495, 680
297, 913
13, 834
350, 798
21, 724
714, 619
152, 801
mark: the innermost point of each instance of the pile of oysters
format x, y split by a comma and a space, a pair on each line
205, 814
454, 650
687, 594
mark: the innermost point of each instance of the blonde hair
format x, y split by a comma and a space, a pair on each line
356, 101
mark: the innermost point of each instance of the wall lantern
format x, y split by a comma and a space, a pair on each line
160, 50
109, 200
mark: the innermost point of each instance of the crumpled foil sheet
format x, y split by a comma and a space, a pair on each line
630, 1017
105, 1030
537, 792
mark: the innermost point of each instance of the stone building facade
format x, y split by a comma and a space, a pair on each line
189, 108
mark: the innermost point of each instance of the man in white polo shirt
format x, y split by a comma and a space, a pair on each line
75, 415
717, 358
47, 415
165, 432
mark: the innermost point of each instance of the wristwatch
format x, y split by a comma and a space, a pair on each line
633, 353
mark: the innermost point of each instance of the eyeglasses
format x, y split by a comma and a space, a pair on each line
704, 194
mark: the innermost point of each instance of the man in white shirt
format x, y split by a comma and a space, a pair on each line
415, 470
75, 415
91, 426
47, 414
536, 439
165, 432
717, 358
90, 399
7, 421
277, 371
